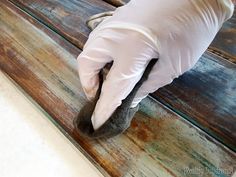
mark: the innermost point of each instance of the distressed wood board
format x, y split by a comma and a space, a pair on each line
204, 95
66, 17
158, 143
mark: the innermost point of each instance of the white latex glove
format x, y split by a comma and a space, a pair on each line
175, 31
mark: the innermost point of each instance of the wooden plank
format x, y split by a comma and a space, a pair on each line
67, 18
205, 95
196, 111
159, 142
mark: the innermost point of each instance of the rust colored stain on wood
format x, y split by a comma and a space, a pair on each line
44, 65
204, 95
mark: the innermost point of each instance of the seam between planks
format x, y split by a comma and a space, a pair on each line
192, 122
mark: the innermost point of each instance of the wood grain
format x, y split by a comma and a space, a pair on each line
158, 143
205, 98
205, 95
66, 17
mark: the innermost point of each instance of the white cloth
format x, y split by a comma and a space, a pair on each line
175, 31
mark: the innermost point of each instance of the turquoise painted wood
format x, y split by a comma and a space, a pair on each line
65, 17
205, 95
158, 143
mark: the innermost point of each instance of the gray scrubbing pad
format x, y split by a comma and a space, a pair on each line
121, 118
115, 125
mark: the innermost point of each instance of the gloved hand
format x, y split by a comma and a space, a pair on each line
176, 32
